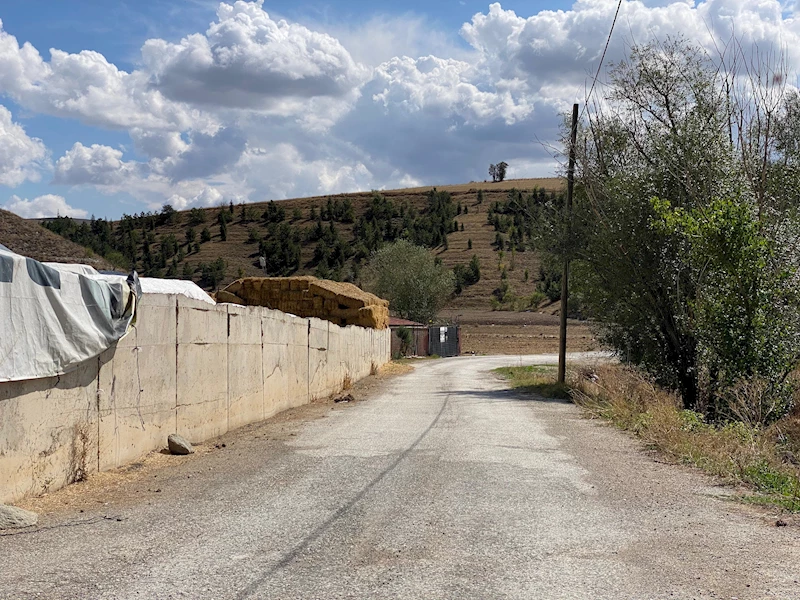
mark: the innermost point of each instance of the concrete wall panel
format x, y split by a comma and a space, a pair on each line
48, 432
187, 367
245, 368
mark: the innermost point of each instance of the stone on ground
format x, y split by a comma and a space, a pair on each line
12, 517
178, 445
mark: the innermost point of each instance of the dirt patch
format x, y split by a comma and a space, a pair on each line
499, 332
156, 471
30, 239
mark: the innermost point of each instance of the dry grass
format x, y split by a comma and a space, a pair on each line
30, 239
763, 458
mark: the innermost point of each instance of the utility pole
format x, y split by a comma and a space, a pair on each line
562, 341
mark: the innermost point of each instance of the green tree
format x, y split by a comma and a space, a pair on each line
683, 229
213, 273
197, 216
408, 276
188, 271
205, 235
501, 170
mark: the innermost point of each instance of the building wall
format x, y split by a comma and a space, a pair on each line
187, 367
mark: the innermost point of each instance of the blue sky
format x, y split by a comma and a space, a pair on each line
197, 103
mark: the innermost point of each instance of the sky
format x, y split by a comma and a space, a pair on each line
110, 107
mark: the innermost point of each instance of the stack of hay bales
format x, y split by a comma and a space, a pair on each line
340, 303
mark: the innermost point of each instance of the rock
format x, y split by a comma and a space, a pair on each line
12, 517
780, 523
346, 398
178, 445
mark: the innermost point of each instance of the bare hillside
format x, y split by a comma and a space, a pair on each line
28, 238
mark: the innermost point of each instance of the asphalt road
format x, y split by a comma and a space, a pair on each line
441, 485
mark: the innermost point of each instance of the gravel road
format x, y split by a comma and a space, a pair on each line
441, 485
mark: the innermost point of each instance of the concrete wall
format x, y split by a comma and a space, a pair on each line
187, 367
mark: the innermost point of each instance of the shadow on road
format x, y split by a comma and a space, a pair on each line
507, 395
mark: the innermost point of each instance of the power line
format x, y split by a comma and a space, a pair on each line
602, 57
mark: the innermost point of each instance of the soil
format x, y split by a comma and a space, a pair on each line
122, 486
534, 332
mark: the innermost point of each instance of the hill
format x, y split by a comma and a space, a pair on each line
330, 236
29, 238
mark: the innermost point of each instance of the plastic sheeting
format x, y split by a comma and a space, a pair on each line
53, 319
150, 285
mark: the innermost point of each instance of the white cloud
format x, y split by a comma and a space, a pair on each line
87, 87
21, 157
208, 197
384, 37
446, 88
157, 144
96, 165
257, 108
42, 207
248, 60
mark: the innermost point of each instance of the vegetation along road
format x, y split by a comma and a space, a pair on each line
442, 483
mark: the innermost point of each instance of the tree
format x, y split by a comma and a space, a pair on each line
408, 276
188, 271
684, 225
223, 232
190, 236
497, 173
169, 216
197, 216
501, 170
213, 273
205, 235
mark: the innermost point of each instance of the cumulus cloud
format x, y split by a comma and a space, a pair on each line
208, 197
248, 60
204, 156
446, 88
43, 207
21, 157
96, 165
157, 144
257, 108
87, 87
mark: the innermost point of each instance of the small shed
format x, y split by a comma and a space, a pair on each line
413, 343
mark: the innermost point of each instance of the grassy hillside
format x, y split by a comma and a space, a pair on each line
299, 236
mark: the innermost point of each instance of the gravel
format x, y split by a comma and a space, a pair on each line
442, 485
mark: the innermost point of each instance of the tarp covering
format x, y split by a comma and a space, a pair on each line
53, 319
150, 285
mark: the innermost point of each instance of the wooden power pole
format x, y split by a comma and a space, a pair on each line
562, 340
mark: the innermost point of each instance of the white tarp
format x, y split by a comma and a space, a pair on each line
150, 285
53, 319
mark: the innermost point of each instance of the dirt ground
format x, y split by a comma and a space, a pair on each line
501, 332
116, 488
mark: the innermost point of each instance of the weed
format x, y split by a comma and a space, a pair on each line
762, 458
536, 379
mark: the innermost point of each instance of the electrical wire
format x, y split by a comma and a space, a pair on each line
602, 58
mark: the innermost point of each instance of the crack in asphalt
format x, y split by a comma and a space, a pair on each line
253, 587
